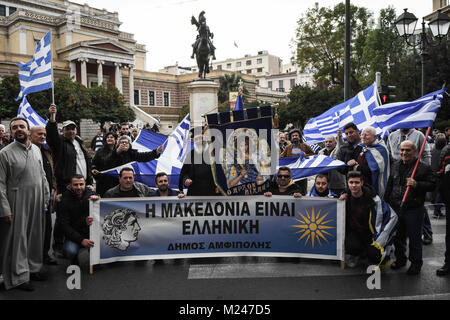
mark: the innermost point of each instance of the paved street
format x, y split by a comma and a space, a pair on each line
248, 278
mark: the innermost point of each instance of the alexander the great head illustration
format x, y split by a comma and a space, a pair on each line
120, 227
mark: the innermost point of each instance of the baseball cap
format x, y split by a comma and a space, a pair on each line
68, 123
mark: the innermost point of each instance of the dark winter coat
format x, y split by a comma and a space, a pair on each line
73, 214
104, 182
396, 187
65, 156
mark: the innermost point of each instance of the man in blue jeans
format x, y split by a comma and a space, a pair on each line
75, 220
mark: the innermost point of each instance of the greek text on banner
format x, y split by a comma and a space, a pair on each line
168, 228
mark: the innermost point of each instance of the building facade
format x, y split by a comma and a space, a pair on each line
260, 65
441, 4
89, 47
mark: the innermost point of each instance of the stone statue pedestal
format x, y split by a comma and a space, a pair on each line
202, 100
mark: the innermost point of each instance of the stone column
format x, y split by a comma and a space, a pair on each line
73, 70
100, 72
118, 77
23, 41
83, 71
131, 83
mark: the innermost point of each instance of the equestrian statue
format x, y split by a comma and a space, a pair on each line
203, 49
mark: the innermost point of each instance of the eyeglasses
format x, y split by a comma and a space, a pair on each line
284, 176
124, 142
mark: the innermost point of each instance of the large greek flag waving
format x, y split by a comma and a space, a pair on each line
419, 113
27, 112
36, 75
176, 146
303, 167
358, 110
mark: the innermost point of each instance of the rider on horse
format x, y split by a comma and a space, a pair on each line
203, 32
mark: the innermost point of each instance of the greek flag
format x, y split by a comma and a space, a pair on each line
36, 75
303, 167
27, 112
377, 157
315, 147
176, 147
358, 110
419, 113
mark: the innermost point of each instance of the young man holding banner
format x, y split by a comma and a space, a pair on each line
75, 220
370, 223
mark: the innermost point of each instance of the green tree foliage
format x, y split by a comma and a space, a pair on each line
320, 43
74, 101
184, 111
107, 104
229, 83
306, 103
437, 66
383, 49
9, 90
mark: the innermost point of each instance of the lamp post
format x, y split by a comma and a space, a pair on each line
347, 51
406, 25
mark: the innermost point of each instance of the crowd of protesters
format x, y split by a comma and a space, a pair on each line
63, 175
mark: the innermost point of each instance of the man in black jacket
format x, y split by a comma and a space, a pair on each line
75, 220
349, 151
411, 213
284, 185
196, 174
71, 157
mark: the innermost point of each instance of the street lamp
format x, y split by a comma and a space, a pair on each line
406, 25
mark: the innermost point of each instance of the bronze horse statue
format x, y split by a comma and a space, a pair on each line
203, 48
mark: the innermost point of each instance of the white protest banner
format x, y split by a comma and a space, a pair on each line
168, 228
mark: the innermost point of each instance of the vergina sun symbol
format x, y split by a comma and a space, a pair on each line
312, 227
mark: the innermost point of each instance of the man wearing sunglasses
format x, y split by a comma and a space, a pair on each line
284, 185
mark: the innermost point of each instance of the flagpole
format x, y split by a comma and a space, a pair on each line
417, 164
53, 81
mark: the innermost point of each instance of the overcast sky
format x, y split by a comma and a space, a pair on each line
164, 26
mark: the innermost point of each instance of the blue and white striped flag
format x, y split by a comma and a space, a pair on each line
176, 147
36, 75
159, 122
315, 147
309, 166
27, 112
377, 157
358, 110
419, 113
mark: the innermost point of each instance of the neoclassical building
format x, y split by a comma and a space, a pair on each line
89, 47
